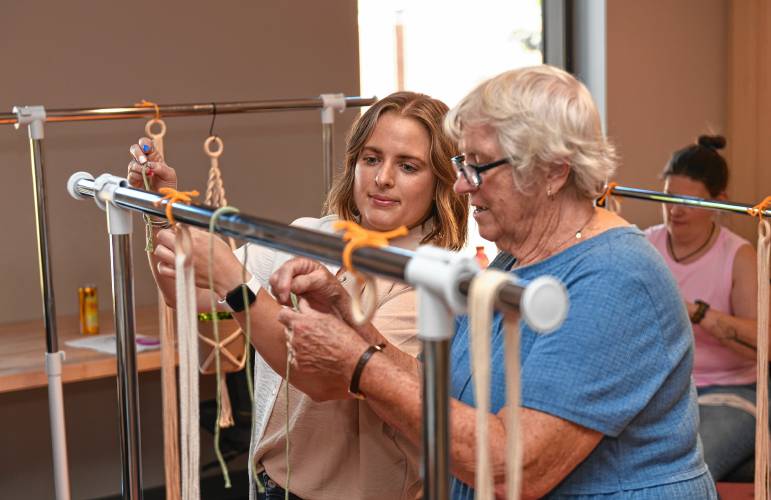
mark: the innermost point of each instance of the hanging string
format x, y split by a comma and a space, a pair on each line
213, 118
188, 364
157, 139
217, 346
358, 237
166, 334
482, 294
762, 474
289, 357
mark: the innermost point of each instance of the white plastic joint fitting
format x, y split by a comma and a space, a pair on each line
331, 103
74, 180
34, 116
441, 272
544, 304
104, 188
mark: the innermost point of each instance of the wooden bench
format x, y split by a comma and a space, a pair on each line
736, 491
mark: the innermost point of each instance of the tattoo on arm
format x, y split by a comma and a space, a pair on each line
734, 336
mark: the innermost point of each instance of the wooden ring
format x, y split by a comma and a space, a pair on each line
149, 128
207, 146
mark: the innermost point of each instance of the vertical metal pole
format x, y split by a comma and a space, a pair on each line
43, 247
119, 224
328, 153
332, 103
590, 50
435, 321
436, 451
34, 117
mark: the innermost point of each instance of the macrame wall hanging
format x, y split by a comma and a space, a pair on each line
231, 345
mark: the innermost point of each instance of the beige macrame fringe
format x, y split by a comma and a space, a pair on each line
168, 356
762, 478
187, 318
482, 294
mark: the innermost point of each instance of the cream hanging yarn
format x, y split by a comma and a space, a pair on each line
762, 476
168, 348
187, 321
481, 299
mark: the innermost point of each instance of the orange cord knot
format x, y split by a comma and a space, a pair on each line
171, 196
150, 104
759, 209
607, 194
358, 237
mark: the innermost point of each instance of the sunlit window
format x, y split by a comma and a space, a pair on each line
444, 48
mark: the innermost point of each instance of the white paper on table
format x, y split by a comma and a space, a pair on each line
106, 343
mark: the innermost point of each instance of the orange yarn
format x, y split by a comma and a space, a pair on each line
171, 196
757, 210
150, 104
607, 194
358, 237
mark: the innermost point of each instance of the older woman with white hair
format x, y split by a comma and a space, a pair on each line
608, 406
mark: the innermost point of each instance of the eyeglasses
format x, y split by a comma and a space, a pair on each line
471, 172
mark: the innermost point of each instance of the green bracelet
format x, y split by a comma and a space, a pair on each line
207, 316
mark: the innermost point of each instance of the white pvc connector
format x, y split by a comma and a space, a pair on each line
34, 116
53, 365
441, 271
332, 103
118, 219
545, 304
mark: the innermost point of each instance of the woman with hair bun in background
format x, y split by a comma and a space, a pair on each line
716, 271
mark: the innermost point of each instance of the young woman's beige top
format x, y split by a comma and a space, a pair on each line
339, 449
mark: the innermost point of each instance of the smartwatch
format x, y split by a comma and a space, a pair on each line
235, 298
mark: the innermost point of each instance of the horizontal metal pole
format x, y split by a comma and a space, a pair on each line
691, 201
389, 262
167, 110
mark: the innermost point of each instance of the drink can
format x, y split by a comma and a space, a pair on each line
89, 310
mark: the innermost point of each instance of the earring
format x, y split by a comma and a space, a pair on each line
549, 193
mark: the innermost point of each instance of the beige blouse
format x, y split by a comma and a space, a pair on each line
341, 449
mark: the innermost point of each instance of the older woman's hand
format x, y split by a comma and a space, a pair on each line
158, 173
321, 343
227, 269
313, 282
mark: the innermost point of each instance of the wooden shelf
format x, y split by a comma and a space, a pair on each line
23, 347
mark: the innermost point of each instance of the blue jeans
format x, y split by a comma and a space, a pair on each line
727, 434
272, 490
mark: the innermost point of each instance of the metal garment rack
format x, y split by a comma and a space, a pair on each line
691, 201
442, 279
34, 117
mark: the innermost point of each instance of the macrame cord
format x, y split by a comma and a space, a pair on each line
482, 294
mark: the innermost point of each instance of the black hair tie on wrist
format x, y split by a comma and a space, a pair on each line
353, 388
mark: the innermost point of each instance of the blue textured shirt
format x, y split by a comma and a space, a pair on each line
620, 365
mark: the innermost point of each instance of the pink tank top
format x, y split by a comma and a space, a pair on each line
710, 278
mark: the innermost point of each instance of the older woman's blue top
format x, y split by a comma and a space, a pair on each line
620, 365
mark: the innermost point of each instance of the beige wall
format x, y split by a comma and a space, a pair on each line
81, 54
749, 119
667, 83
84, 54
